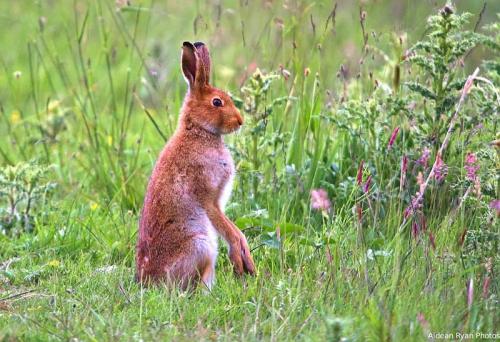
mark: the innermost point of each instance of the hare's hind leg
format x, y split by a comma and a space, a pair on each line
207, 274
198, 266
207, 254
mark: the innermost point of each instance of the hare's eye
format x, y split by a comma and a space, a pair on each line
217, 102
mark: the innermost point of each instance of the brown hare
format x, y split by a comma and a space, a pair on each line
183, 211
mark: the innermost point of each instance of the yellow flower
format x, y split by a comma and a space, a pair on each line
94, 206
54, 263
35, 308
15, 117
110, 140
54, 104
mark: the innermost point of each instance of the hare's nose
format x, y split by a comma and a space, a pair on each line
240, 119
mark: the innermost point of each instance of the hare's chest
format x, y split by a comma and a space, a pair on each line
223, 171
219, 168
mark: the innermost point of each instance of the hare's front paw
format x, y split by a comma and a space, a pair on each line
248, 263
239, 254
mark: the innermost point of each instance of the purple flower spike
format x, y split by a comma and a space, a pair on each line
441, 169
392, 138
415, 205
471, 166
359, 176
366, 187
470, 293
495, 204
424, 158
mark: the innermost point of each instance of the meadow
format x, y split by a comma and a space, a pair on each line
367, 169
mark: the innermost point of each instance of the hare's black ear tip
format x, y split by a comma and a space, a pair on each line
187, 44
199, 44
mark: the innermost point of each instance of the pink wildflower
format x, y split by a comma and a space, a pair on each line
319, 200
424, 158
415, 205
471, 166
394, 134
284, 72
477, 187
329, 256
432, 241
470, 158
404, 168
418, 227
359, 176
423, 224
495, 204
415, 229
153, 72
423, 323
359, 211
422, 320
486, 287
404, 164
470, 293
420, 181
366, 187
441, 169
461, 239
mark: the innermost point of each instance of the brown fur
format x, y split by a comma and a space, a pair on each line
184, 198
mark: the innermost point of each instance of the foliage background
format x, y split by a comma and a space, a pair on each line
90, 89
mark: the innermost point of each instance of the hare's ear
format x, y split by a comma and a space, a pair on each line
189, 63
204, 57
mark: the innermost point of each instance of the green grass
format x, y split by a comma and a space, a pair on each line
297, 293
90, 92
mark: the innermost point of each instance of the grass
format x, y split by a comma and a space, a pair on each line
90, 93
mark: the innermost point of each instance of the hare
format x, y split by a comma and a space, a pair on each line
183, 211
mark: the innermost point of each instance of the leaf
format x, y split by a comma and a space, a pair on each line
457, 85
238, 102
310, 242
424, 62
248, 222
288, 227
271, 240
377, 243
267, 224
418, 88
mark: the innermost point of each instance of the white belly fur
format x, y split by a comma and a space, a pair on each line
211, 237
226, 193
